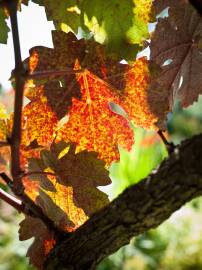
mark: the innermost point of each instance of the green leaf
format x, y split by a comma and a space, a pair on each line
121, 25
65, 14
4, 29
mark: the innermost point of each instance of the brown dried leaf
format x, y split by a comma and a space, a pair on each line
43, 240
176, 47
75, 196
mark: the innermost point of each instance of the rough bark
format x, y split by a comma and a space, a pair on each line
138, 209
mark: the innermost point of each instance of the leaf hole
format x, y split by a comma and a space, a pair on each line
62, 83
115, 108
62, 121
64, 152
167, 62
163, 13
180, 82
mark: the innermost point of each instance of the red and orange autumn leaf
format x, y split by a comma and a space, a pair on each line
3, 125
101, 81
39, 121
4, 150
145, 102
92, 125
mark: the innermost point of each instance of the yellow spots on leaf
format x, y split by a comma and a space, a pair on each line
64, 152
92, 125
3, 114
74, 9
3, 123
136, 97
64, 198
31, 188
39, 123
143, 9
65, 28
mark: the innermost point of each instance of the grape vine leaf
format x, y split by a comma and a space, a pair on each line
120, 25
159, 5
97, 81
176, 47
39, 122
4, 159
143, 99
71, 195
43, 240
4, 28
5, 150
40, 128
65, 14
60, 89
3, 126
3, 24
92, 125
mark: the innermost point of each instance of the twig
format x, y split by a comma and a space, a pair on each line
7, 180
19, 85
20, 206
169, 145
11, 200
28, 207
20, 75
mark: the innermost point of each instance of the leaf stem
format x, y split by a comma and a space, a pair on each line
38, 172
169, 145
2, 144
47, 73
7, 180
19, 85
36, 211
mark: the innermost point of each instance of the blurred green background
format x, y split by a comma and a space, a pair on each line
175, 245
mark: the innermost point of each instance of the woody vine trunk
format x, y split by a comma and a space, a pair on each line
138, 209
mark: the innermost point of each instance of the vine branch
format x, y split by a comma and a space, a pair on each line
11, 200
7, 180
138, 209
28, 207
16, 185
19, 85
